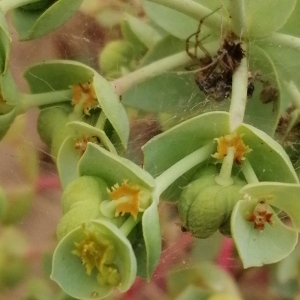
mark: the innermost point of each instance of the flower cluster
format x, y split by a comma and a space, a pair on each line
240, 188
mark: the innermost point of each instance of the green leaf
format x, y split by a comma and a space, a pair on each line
70, 274
164, 150
266, 17
152, 238
257, 111
174, 22
9, 99
168, 93
168, 45
268, 159
115, 169
61, 75
68, 156
146, 34
291, 26
31, 24
285, 59
6, 120
256, 247
276, 195
5, 44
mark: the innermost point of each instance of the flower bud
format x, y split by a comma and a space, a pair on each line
80, 203
115, 55
205, 206
52, 127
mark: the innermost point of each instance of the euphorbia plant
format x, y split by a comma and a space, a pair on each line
217, 156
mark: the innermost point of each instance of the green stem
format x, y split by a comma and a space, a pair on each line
164, 180
195, 11
238, 16
239, 94
108, 207
101, 121
293, 91
294, 94
282, 40
249, 172
32, 100
6, 5
129, 224
224, 178
158, 67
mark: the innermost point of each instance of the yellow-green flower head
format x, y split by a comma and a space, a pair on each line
93, 259
260, 234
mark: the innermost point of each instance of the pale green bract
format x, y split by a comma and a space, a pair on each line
275, 239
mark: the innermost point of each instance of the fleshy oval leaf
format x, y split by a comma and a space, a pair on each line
268, 159
146, 34
44, 78
167, 148
115, 169
259, 247
266, 17
284, 196
5, 44
178, 23
31, 24
71, 274
74, 146
147, 260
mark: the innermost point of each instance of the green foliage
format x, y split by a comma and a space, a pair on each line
221, 80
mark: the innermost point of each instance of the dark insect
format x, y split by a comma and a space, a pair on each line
214, 77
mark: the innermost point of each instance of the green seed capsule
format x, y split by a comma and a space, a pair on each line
52, 126
84, 188
205, 206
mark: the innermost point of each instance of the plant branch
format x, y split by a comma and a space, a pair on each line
6, 5
239, 94
32, 100
195, 11
158, 67
248, 172
238, 16
164, 180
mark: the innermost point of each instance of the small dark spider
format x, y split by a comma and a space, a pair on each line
214, 77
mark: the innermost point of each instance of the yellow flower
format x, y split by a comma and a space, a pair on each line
98, 253
131, 199
231, 140
84, 94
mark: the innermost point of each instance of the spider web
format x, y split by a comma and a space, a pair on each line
82, 38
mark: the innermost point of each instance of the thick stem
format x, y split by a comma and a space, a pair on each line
32, 100
161, 66
195, 11
224, 178
129, 224
282, 40
164, 180
6, 5
101, 121
239, 94
248, 172
238, 17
